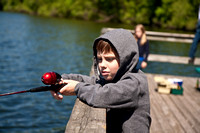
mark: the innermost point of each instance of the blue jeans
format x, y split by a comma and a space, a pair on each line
196, 39
139, 63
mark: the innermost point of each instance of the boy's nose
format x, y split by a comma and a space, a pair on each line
103, 64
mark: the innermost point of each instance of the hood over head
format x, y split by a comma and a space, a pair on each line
126, 46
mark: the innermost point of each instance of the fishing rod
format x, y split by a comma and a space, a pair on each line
48, 78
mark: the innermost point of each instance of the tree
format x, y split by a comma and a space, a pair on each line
179, 14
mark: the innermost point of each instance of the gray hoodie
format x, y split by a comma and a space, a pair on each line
126, 98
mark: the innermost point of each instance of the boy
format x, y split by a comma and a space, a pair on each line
117, 86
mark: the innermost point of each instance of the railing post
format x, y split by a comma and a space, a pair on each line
85, 119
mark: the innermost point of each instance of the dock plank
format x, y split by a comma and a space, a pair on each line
172, 59
187, 111
173, 121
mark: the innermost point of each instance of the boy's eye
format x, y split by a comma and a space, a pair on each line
99, 59
110, 59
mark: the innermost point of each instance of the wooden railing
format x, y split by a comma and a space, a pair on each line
162, 36
172, 59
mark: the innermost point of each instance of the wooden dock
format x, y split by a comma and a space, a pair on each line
170, 113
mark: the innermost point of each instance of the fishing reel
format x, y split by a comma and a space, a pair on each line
51, 78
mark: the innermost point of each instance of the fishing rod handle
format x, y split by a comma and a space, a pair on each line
55, 88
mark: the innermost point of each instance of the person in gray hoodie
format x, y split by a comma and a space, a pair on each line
117, 85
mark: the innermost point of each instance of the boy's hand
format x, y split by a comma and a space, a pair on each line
67, 90
56, 95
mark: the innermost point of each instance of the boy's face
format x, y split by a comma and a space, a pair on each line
108, 64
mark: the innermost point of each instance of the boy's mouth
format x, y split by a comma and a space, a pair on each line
104, 73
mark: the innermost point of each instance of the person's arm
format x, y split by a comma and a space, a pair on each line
146, 54
80, 78
123, 94
146, 51
71, 80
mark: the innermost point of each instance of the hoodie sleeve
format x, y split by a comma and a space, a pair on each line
123, 94
80, 78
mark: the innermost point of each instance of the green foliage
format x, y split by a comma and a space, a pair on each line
143, 12
82, 9
179, 14
59, 8
182, 10
127, 12
163, 13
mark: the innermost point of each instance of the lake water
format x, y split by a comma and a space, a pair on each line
31, 46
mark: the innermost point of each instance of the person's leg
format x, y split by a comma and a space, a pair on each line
193, 47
